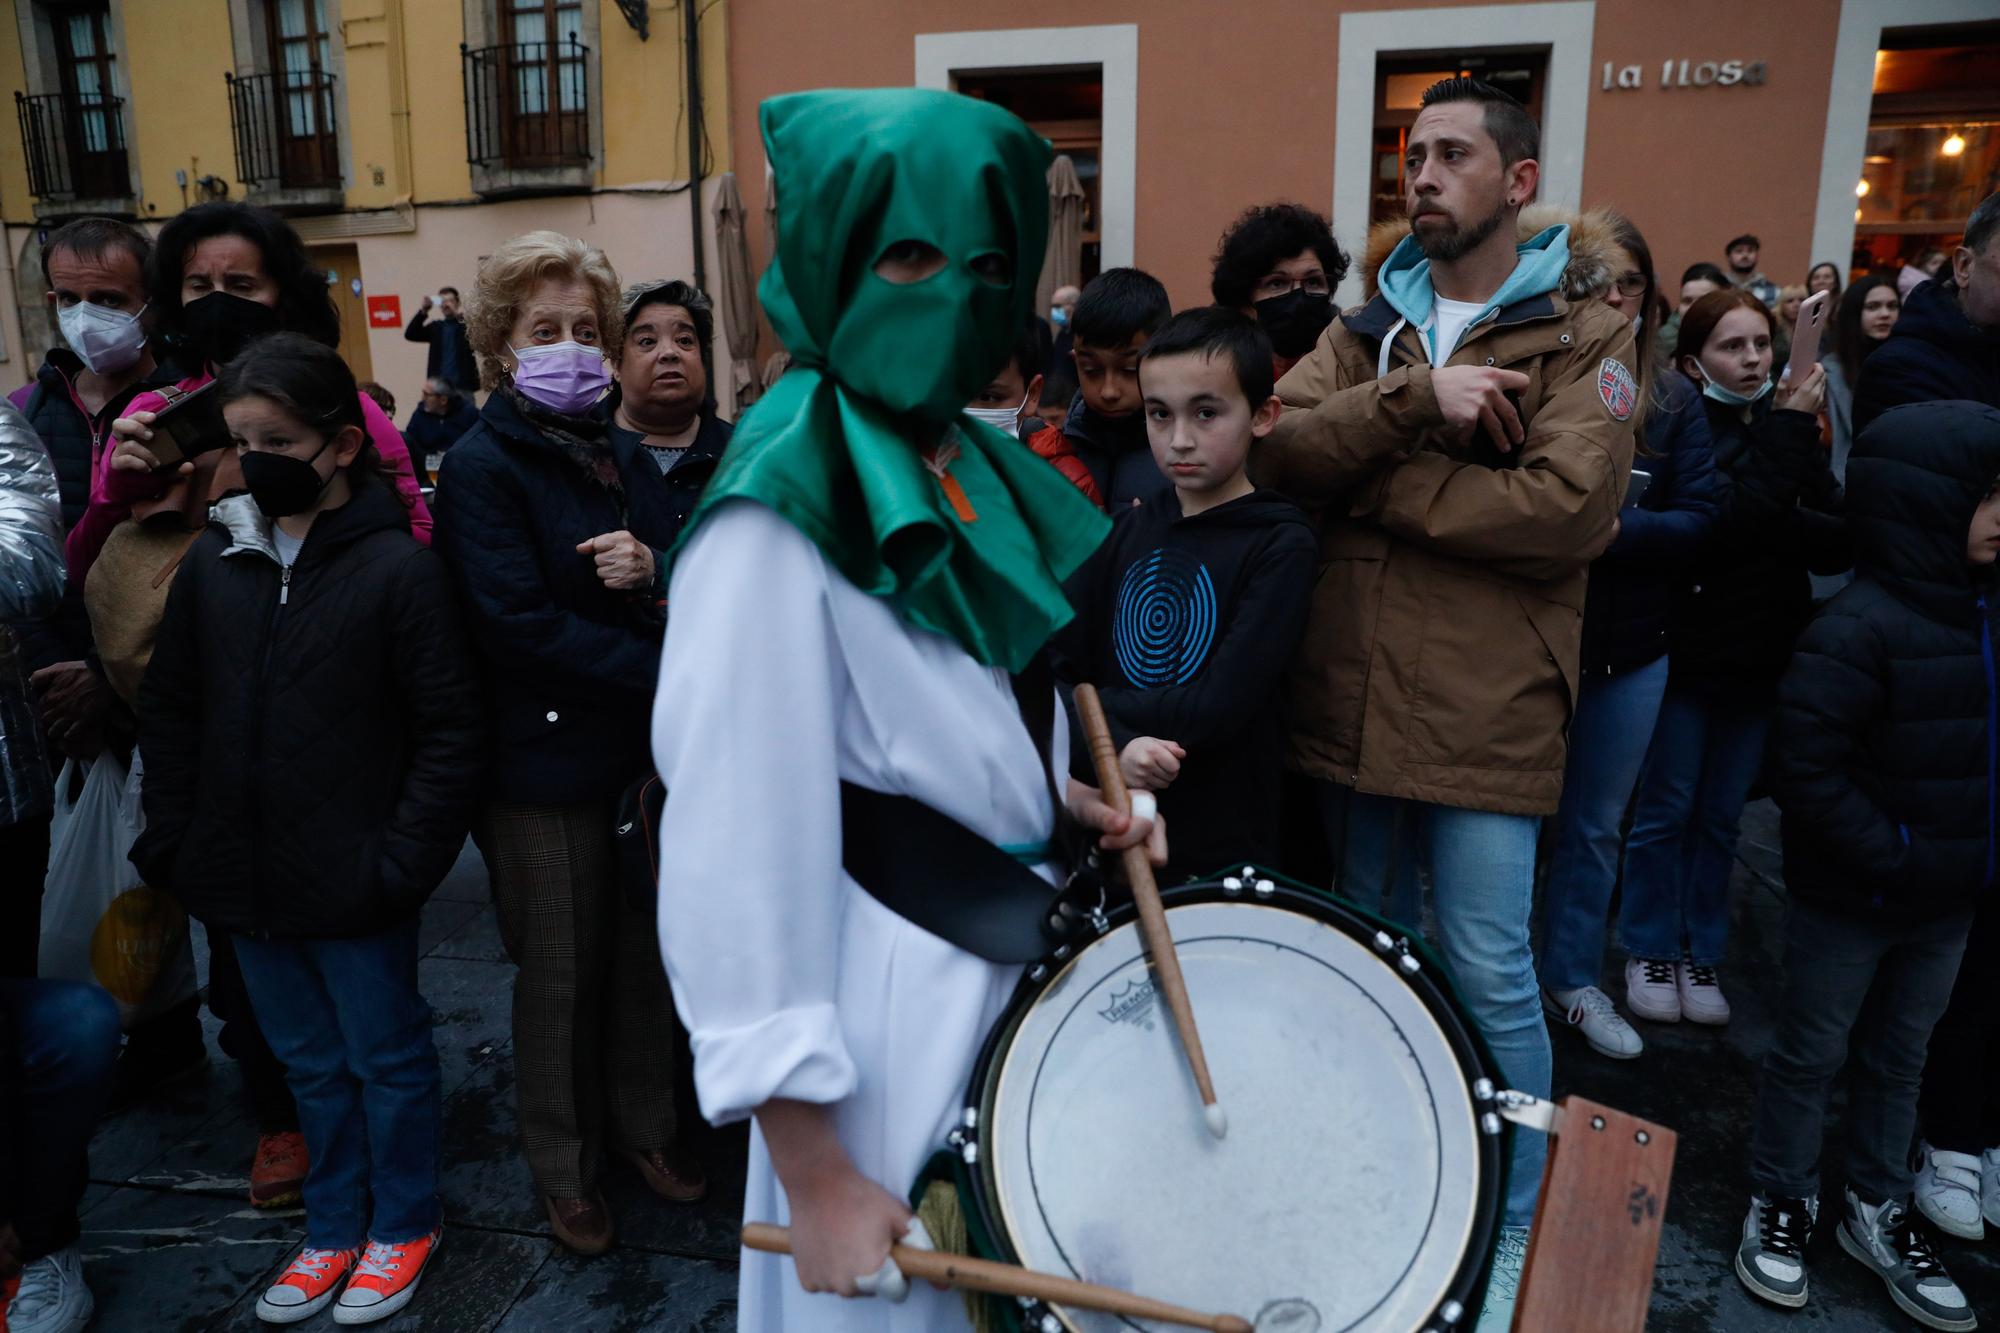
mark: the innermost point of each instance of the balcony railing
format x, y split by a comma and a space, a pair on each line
527, 104
287, 129
75, 145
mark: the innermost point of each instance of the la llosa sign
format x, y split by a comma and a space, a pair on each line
1689, 74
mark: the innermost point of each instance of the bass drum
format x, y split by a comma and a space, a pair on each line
1358, 1187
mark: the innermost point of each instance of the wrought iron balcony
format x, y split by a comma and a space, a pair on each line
75, 145
527, 104
286, 126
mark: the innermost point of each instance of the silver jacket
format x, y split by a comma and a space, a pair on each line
31, 586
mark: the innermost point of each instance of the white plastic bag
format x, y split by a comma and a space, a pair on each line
99, 922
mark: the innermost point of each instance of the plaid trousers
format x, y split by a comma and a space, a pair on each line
594, 1027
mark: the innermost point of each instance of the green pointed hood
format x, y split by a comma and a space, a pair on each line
881, 370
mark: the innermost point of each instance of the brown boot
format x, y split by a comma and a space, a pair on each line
672, 1174
583, 1225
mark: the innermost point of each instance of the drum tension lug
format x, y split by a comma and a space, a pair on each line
1525, 1110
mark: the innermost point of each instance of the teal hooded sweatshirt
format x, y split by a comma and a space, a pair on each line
1405, 283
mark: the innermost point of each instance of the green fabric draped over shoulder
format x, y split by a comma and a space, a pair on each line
862, 444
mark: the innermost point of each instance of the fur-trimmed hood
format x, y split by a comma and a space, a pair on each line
1592, 265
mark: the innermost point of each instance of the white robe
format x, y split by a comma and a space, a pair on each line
779, 679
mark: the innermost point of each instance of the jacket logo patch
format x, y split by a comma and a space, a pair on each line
1165, 620
1618, 389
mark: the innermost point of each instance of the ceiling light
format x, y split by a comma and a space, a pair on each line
1861, 189
1953, 146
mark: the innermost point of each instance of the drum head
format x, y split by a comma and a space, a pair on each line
1352, 1181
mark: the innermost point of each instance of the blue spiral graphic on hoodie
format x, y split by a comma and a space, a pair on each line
1165, 620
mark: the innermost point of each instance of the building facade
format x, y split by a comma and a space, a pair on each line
1701, 119
404, 139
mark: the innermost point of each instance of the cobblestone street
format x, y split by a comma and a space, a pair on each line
172, 1244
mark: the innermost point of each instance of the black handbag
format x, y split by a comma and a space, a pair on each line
635, 841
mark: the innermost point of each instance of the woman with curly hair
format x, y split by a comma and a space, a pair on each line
555, 526
1279, 265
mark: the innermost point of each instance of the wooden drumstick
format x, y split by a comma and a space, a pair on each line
967, 1274
1146, 894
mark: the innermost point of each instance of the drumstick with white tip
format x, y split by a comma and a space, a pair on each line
967, 1274
1146, 895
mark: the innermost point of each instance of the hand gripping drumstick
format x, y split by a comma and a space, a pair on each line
956, 1270
1146, 894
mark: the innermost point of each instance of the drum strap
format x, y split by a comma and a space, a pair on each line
936, 873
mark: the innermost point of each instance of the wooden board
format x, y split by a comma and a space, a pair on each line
1590, 1257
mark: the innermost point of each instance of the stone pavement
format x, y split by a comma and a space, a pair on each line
172, 1244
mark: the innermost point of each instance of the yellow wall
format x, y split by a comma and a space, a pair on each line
14, 201
177, 107
403, 87
432, 30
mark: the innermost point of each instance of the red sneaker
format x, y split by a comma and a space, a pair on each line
307, 1287
385, 1280
278, 1171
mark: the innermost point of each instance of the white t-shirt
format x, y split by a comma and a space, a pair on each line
1448, 323
288, 545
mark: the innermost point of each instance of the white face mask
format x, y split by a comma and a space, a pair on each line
1006, 419
108, 340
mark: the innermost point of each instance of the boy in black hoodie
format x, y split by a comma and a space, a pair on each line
1119, 310
1189, 612
1884, 768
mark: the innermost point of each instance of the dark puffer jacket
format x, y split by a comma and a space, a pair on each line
1630, 600
570, 665
1934, 352
1886, 726
311, 737
1744, 601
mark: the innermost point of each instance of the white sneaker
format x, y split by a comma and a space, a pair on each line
1882, 1237
52, 1297
1650, 992
1948, 1192
1589, 1011
1989, 1189
1700, 994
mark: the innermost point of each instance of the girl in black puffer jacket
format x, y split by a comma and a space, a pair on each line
1884, 766
311, 732
1743, 602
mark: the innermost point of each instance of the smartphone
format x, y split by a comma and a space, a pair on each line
1806, 334
1635, 490
190, 425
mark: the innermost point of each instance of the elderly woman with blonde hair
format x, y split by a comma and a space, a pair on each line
555, 527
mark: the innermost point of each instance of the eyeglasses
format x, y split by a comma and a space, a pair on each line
1631, 285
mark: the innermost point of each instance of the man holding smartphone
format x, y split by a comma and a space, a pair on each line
450, 355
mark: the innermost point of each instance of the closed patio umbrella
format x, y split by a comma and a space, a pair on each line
1062, 262
738, 292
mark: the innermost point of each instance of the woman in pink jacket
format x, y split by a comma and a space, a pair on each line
221, 275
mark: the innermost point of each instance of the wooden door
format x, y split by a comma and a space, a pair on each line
544, 121
85, 66
302, 95
343, 272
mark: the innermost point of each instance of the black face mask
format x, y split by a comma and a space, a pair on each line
280, 484
221, 324
1294, 321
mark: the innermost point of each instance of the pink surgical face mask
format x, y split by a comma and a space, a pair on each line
565, 377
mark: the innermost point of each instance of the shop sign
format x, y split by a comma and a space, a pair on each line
1689, 74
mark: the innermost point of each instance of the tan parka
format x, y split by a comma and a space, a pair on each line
1440, 656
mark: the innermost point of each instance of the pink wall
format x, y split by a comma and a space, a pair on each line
1239, 110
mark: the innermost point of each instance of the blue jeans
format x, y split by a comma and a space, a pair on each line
1483, 882
1608, 737
59, 1040
1705, 757
345, 1018
1377, 857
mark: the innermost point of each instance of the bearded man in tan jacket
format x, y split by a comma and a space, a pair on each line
1466, 437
